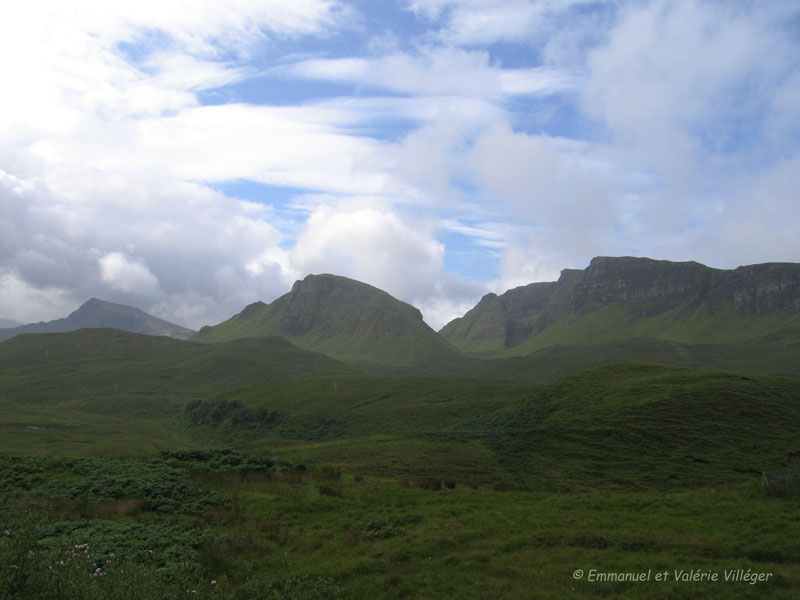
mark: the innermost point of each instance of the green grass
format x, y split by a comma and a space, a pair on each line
386, 487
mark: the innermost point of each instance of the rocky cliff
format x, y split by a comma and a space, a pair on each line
644, 293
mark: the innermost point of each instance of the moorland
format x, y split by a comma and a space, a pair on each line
630, 431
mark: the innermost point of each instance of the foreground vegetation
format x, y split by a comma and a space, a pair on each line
270, 533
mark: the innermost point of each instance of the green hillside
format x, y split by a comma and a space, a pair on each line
641, 427
102, 314
342, 318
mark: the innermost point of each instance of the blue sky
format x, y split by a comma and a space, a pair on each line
192, 162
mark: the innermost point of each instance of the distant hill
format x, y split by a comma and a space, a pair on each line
342, 318
101, 314
6, 323
617, 299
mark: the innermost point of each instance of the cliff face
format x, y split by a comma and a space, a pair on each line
765, 289
626, 279
643, 288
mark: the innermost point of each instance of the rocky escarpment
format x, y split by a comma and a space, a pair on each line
641, 287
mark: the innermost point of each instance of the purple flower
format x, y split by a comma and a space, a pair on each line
213, 582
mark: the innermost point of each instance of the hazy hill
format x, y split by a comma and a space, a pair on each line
342, 318
101, 314
617, 299
6, 323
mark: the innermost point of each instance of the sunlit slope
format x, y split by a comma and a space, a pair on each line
618, 299
342, 318
102, 314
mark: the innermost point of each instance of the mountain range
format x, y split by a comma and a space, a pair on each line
616, 310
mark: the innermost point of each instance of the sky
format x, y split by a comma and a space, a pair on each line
190, 158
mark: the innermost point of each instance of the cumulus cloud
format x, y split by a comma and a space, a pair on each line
373, 245
394, 253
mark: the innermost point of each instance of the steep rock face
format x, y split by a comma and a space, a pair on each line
608, 280
342, 318
644, 290
95, 314
765, 289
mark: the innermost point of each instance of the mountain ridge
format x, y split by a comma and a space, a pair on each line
633, 297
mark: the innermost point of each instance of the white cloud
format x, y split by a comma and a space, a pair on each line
478, 22
435, 71
127, 275
677, 79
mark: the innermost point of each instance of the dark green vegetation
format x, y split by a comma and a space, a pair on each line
399, 467
101, 314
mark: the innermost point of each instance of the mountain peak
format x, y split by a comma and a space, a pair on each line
96, 313
341, 317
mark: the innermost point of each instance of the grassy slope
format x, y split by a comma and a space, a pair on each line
114, 393
631, 425
617, 322
777, 355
